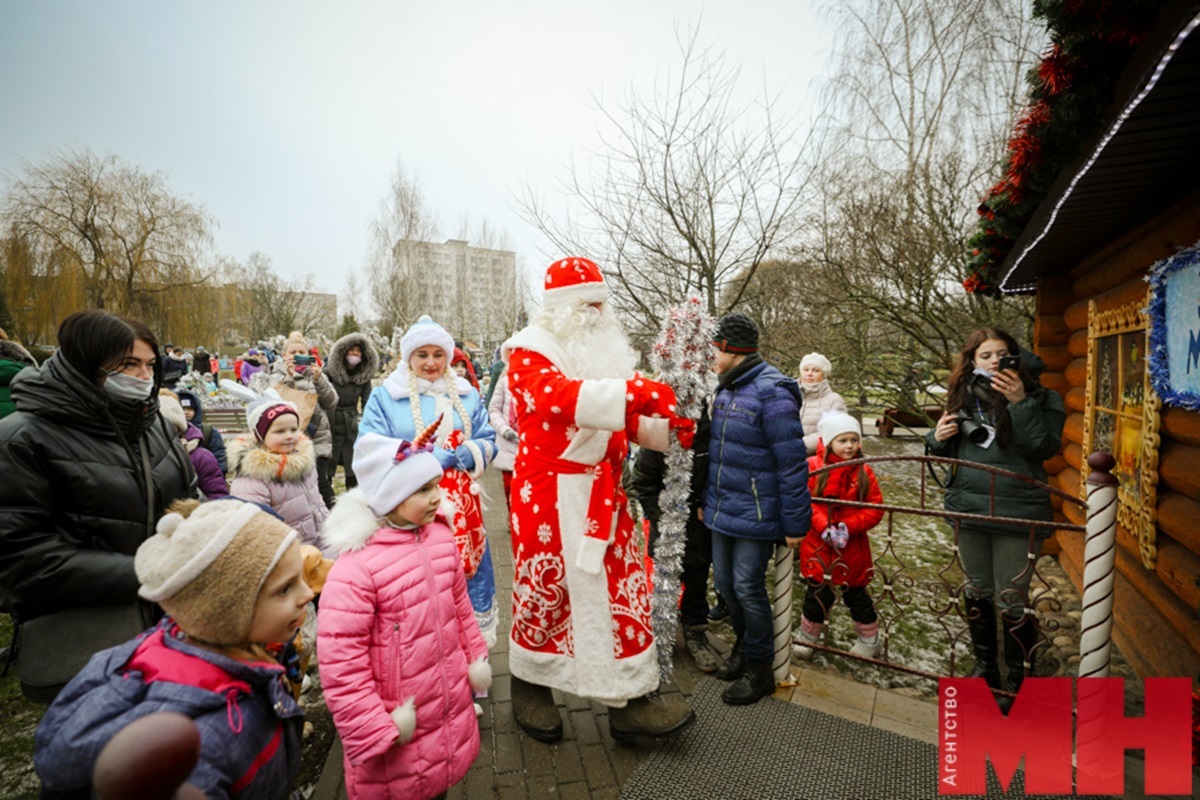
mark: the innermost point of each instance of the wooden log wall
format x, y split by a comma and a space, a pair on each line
1157, 613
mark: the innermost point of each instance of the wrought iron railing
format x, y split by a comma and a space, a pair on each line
900, 594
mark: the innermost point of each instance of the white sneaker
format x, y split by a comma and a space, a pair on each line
800, 646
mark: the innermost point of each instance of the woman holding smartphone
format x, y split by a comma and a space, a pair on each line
299, 370
997, 414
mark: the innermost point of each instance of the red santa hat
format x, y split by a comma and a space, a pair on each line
574, 280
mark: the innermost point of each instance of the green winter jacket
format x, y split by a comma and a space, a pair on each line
8, 371
1037, 426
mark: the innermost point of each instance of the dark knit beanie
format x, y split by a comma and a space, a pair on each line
736, 333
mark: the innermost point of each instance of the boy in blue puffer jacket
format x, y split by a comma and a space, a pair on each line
757, 496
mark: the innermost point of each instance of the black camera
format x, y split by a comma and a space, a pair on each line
975, 432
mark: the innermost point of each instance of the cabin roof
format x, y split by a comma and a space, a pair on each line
1147, 158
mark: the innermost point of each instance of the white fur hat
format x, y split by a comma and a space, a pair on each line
834, 423
387, 481
172, 410
819, 361
424, 332
574, 280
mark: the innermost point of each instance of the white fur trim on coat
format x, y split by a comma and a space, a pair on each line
350, 524
477, 454
654, 433
591, 555
405, 717
479, 675
601, 404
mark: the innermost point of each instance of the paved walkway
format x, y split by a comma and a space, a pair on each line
588, 763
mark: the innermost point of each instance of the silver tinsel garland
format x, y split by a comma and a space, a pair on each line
682, 358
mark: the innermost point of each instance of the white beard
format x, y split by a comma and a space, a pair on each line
594, 342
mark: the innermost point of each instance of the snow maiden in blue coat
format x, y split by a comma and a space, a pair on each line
420, 391
230, 577
757, 496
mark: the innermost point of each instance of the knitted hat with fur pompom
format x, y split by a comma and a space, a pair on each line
206, 568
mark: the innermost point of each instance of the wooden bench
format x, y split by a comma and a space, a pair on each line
226, 420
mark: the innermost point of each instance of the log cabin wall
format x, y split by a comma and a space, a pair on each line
1156, 612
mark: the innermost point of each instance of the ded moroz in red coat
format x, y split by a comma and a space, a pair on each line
587, 634
820, 561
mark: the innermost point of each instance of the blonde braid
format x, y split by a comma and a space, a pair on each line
452, 382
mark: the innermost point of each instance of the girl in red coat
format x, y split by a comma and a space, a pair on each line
835, 556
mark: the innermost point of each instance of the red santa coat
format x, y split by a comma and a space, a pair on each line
581, 610
819, 561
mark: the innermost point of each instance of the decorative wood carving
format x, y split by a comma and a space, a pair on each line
1122, 415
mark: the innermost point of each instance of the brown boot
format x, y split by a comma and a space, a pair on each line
652, 716
535, 712
696, 639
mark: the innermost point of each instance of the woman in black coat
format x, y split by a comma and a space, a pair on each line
89, 466
353, 362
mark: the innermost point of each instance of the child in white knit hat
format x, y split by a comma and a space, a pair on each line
835, 555
275, 464
401, 654
230, 577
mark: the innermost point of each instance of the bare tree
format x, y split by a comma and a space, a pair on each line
688, 192
398, 237
271, 306
916, 117
124, 230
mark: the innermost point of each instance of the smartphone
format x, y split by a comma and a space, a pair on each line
1010, 362
307, 361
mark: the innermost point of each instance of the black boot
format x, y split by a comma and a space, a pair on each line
981, 623
1020, 637
757, 681
734, 666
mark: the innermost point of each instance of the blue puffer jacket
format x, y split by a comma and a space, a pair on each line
249, 724
758, 468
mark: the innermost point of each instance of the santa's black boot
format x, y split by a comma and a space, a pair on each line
535, 712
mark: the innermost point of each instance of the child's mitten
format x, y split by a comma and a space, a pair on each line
836, 536
405, 717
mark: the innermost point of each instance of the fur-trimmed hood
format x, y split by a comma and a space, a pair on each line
12, 351
352, 523
337, 369
248, 459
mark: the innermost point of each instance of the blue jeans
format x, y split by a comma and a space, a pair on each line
740, 573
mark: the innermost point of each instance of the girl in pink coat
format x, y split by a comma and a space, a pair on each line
400, 653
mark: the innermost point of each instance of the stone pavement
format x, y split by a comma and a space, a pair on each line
588, 763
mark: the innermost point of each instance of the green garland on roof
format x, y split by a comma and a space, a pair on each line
1069, 91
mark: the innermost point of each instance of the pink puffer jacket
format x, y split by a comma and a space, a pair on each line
396, 636
287, 484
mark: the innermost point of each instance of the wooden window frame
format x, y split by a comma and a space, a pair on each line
1136, 512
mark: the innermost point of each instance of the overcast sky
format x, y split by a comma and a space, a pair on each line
285, 119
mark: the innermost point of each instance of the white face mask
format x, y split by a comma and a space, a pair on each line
354, 361
121, 386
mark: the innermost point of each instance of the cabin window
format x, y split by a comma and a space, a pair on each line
1121, 416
